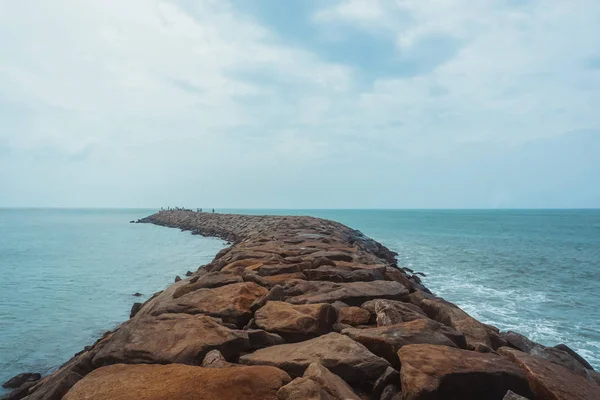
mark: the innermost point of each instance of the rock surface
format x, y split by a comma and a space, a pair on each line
551, 381
441, 372
272, 298
338, 353
20, 379
179, 382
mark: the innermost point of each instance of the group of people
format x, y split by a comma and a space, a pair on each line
182, 209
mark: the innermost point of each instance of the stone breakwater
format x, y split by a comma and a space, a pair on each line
305, 308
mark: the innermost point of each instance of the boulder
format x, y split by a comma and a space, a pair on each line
170, 338
275, 294
179, 382
209, 280
354, 293
390, 312
389, 377
332, 384
385, 341
295, 322
353, 316
449, 314
20, 392
269, 270
442, 372
303, 389
135, 308
572, 353
259, 338
282, 278
339, 274
551, 381
20, 379
552, 354
231, 302
320, 261
214, 359
341, 355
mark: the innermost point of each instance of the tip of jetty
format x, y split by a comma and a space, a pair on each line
305, 308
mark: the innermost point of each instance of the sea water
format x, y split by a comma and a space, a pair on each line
67, 276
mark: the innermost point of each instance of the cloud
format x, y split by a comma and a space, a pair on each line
177, 100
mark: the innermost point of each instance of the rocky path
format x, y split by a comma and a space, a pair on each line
304, 308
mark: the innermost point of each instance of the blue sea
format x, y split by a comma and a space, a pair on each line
67, 276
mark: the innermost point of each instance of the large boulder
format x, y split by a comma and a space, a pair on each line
338, 353
179, 382
328, 386
340, 274
207, 281
170, 338
441, 372
551, 381
20, 379
476, 333
385, 341
353, 316
296, 322
354, 293
231, 302
390, 312
552, 354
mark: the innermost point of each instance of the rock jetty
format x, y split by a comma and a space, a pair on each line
303, 308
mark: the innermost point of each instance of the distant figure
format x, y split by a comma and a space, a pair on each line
200, 210
213, 210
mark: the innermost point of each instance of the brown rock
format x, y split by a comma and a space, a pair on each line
295, 322
390, 312
209, 280
339, 274
353, 316
214, 359
332, 384
231, 303
440, 372
572, 353
20, 392
449, 314
319, 261
338, 353
551, 381
269, 270
179, 382
170, 338
20, 379
353, 294
275, 294
303, 389
259, 339
385, 341
283, 278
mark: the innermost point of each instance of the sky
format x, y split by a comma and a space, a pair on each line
300, 103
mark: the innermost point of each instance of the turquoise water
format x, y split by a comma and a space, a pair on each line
66, 276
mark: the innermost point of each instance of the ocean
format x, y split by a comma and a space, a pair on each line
67, 276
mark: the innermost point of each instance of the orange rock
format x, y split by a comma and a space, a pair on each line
551, 381
295, 322
431, 372
179, 382
353, 316
170, 338
231, 302
390, 312
282, 278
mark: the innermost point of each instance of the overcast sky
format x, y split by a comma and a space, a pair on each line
300, 103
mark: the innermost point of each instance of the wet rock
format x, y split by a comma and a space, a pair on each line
353, 294
135, 308
385, 341
208, 281
189, 273
353, 316
174, 382
177, 278
170, 338
442, 372
20, 379
449, 314
390, 312
137, 294
231, 302
572, 353
296, 322
338, 353
552, 354
551, 381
